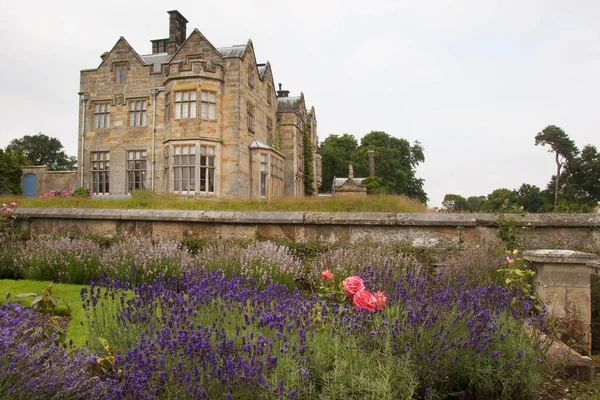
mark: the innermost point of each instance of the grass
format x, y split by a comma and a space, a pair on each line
147, 200
78, 331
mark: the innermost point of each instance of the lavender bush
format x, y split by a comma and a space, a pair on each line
264, 261
32, 366
206, 335
62, 260
140, 259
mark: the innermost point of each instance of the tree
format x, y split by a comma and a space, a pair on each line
11, 162
43, 150
336, 153
502, 200
477, 203
456, 203
532, 199
395, 163
563, 147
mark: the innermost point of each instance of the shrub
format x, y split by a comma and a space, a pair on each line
34, 367
62, 260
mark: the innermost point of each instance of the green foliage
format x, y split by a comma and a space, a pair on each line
396, 161
456, 203
477, 203
277, 138
512, 232
336, 152
11, 162
518, 276
81, 192
43, 150
375, 185
563, 148
309, 171
46, 303
347, 372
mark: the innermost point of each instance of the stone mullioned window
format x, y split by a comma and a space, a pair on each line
136, 170
100, 172
137, 112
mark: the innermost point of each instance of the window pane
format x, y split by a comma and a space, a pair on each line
193, 110
211, 111
177, 96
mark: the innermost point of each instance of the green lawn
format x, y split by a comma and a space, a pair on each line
78, 331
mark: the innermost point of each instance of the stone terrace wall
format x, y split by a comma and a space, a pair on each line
438, 231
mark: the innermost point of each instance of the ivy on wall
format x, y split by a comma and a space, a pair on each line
309, 184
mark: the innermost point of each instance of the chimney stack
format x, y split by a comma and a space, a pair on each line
282, 93
371, 162
177, 31
350, 171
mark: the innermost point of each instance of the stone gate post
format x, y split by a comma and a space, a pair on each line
562, 279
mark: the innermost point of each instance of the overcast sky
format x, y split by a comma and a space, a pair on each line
473, 81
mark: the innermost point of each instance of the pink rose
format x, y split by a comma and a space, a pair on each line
380, 298
364, 299
352, 285
326, 275
13, 204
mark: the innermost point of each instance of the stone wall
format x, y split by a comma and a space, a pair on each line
437, 231
50, 180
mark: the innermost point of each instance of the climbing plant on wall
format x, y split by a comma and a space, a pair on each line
309, 183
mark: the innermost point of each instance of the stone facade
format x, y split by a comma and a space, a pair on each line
191, 119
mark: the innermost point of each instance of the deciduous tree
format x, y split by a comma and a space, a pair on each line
43, 150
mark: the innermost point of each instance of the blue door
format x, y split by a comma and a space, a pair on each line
29, 185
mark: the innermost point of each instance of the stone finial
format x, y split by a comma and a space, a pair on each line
350, 171
371, 154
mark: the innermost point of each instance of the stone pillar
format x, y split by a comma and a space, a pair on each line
562, 280
371, 154
350, 171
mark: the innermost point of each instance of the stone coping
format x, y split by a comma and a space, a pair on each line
313, 218
560, 257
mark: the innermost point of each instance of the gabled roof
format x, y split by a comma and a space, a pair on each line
257, 144
286, 104
126, 43
202, 37
236, 51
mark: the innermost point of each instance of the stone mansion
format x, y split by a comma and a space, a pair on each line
192, 119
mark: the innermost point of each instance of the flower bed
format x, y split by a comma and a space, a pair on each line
211, 335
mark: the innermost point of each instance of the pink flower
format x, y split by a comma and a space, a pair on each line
13, 204
3, 205
364, 299
510, 260
380, 298
352, 285
326, 275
